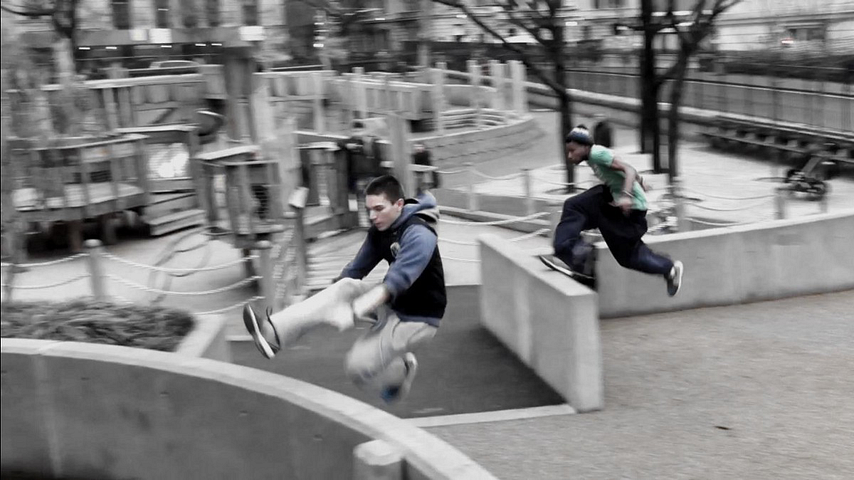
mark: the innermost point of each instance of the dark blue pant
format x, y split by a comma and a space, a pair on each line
622, 233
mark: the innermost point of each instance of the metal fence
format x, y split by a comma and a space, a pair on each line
818, 103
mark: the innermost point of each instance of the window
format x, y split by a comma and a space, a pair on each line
213, 13
250, 12
121, 14
161, 17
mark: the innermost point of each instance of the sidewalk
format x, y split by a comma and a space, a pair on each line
757, 391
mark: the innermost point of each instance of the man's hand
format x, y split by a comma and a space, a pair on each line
370, 300
645, 186
625, 204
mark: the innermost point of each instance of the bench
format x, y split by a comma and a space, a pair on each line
783, 138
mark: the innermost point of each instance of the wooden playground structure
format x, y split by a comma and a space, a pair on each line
277, 179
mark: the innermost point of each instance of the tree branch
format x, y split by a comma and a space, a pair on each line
534, 32
510, 46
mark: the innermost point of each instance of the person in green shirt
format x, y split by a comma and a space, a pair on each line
617, 207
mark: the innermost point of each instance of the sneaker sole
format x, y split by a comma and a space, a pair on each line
412, 366
580, 277
251, 323
678, 278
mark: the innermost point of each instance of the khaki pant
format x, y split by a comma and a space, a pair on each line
376, 359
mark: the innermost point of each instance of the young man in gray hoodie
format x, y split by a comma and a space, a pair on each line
405, 309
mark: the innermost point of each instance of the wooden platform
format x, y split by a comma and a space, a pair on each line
94, 198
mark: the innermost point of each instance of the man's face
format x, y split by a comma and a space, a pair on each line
382, 212
576, 153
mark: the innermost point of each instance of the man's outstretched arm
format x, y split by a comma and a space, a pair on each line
366, 259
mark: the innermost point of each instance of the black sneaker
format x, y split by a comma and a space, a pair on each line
674, 278
253, 325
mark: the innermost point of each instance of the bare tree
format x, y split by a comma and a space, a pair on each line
540, 19
64, 16
691, 31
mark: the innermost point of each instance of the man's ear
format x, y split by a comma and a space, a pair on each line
399, 203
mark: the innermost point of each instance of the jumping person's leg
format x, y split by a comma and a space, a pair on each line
623, 235
580, 213
382, 359
331, 306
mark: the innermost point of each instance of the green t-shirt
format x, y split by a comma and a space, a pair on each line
600, 161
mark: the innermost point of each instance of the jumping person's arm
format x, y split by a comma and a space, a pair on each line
363, 263
625, 201
416, 249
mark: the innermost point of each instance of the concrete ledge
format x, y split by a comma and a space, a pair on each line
526, 226
547, 319
732, 265
76, 410
508, 205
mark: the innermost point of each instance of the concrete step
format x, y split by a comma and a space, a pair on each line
166, 203
173, 222
171, 185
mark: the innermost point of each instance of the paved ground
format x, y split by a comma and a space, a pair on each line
464, 370
749, 391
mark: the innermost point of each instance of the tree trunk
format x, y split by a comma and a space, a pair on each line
673, 116
559, 63
424, 31
650, 134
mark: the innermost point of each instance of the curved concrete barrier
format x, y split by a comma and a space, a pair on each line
453, 149
75, 410
727, 266
548, 320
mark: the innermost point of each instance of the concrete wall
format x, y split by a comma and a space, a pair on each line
726, 266
454, 149
550, 321
103, 412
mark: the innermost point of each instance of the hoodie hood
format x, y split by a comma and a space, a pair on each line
424, 205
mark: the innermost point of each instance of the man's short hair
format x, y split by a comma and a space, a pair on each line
385, 185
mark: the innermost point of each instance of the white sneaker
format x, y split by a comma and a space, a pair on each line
395, 394
674, 279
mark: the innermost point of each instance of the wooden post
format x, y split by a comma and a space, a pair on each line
400, 151
110, 107
96, 269
377, 460
517, 72
297, 203
529, 196
438, 96
317, 103
361, 96
474, 73
496, 71
266, 262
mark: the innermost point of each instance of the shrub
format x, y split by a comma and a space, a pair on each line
152, 327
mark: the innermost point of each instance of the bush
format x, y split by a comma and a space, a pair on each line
152, 327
